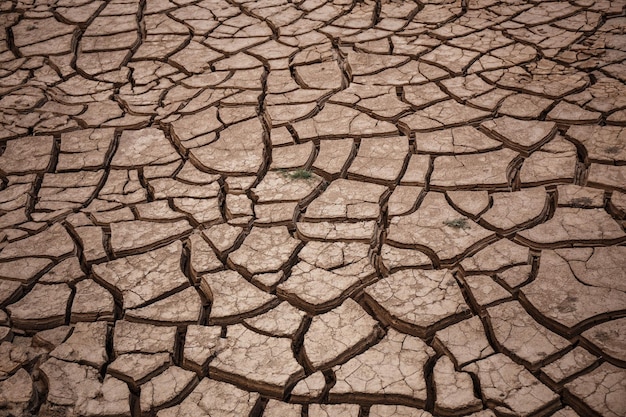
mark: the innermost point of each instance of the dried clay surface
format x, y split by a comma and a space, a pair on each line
312, 208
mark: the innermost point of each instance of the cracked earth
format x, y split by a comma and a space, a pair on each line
345, 208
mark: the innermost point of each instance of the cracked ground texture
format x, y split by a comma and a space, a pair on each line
313, 208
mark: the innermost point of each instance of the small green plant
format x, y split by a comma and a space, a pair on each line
299, 174
581, 202
612, 150
460, 223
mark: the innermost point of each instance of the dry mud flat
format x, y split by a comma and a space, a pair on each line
312, 208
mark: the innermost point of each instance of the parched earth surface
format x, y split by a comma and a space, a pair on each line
313, 208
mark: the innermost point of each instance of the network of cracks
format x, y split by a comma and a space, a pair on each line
312, 208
